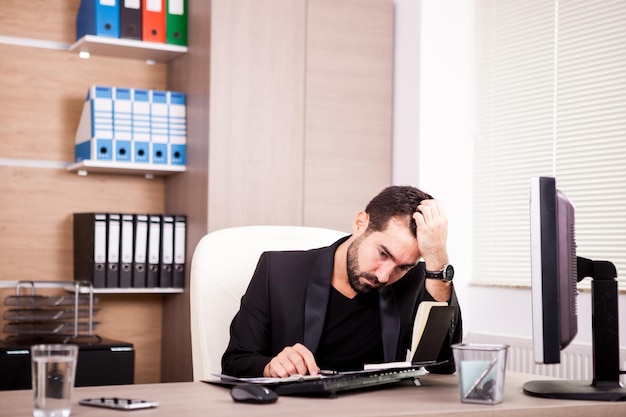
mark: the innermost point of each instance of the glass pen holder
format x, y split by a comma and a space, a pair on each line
39, 311
481, 370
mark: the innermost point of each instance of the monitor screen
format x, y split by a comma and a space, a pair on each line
555, 272
554, 275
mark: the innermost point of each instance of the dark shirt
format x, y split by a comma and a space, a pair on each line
351, 335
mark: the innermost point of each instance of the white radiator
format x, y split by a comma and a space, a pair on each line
576, 360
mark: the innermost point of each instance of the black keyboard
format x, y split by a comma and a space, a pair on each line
331, 385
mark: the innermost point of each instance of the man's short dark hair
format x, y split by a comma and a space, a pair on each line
394, 201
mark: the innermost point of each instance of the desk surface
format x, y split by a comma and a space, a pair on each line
438, 396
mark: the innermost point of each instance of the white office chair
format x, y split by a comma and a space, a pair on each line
221, 268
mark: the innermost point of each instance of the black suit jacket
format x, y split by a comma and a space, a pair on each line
286, 301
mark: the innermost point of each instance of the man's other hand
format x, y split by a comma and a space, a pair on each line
292, 360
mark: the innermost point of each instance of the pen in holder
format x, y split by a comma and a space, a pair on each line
481, 370
482, 389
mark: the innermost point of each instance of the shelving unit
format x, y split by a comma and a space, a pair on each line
71, 288
36, 157
151, 52
103, 167
104, 46
127, 48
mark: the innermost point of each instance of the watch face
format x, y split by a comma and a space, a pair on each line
448, 273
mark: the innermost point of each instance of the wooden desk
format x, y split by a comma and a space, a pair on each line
438, 396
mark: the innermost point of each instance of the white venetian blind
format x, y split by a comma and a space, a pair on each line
551, 100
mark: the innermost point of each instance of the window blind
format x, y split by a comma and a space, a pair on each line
550, 100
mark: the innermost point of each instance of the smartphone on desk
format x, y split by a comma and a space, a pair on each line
118, 403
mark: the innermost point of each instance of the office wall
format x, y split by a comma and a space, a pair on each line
435, 39
42, 91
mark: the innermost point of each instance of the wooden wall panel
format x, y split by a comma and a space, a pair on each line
136, 319
51, 20
349, 94
36, 206
42, 92
256, 113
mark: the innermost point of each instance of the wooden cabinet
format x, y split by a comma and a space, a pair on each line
289, 122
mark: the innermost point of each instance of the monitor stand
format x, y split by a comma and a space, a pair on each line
606, 385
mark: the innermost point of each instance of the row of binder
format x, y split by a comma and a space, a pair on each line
162, 21
132, 125
114, 250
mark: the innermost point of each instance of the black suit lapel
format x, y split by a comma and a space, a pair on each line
318, 291
315, 308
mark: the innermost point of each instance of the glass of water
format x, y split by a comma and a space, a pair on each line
53, 370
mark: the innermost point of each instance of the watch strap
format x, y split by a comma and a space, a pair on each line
445, 274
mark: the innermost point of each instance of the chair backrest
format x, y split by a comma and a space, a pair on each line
221, 268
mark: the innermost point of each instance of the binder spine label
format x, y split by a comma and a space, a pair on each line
154, 238
153, 5
176, 7
167, 241
127, 240
100, 238
113, 255
179, 242
141, 235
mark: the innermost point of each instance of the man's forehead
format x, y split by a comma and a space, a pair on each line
398, 239
399, 225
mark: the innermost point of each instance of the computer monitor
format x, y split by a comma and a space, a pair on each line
555, 272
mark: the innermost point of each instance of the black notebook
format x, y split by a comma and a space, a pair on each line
428, 342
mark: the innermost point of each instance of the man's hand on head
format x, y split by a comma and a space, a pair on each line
432, 233
292, 360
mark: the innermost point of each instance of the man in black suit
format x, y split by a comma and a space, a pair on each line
351, 303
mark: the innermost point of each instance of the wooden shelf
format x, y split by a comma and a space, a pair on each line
101, 167
127, 48
72, 288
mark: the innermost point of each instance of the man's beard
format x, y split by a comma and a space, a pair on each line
353, 270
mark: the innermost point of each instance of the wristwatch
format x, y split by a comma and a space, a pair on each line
445, 274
